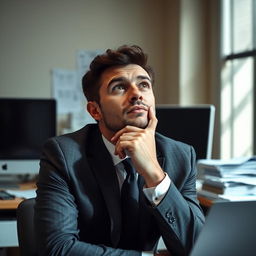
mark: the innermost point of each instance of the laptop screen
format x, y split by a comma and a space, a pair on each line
229, 230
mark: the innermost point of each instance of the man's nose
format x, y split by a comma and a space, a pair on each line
134, 93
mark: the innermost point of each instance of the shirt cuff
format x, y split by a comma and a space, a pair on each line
156, 194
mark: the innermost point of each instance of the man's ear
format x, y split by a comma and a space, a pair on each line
94, 109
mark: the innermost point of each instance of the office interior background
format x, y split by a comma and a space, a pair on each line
202, 51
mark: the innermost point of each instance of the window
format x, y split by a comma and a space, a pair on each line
238, 78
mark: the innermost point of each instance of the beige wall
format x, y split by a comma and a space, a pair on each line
180, 37
37, 36
193, 63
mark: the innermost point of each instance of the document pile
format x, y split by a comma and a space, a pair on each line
233, 179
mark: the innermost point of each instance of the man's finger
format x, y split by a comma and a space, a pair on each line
115, 138
152, 119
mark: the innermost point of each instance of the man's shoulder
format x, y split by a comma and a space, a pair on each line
83, 135
171, 147
169, 142
174, 151
84, 131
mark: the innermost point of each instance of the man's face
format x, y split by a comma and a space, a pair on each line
125, 97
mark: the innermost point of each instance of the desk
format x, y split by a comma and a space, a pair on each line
8, 223
10, 204
205, 202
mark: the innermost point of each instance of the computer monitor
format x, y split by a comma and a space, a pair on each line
193, 125
25, 125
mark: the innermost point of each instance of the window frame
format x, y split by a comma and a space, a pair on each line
242, 54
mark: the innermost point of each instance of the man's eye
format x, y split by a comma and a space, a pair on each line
118, 87
144, 85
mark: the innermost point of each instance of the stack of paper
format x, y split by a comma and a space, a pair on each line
234, 179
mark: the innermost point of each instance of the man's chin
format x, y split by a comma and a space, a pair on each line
138, 123
139, 120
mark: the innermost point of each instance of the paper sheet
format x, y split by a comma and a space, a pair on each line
30, 193
64, 85
67, 90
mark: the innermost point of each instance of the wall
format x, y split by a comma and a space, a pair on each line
179, 36
37, 36
193, 62
172, 19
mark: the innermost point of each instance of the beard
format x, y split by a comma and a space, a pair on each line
116, 124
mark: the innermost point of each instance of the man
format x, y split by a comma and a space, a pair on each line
85, 182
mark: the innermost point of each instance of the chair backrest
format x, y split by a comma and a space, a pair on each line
25, 227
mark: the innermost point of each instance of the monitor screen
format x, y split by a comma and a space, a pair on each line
193, 125
25, 125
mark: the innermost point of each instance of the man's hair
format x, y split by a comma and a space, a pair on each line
123, 56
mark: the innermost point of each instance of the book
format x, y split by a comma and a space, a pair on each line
231, 188
227, 168
227, 179
218, 197
219, 181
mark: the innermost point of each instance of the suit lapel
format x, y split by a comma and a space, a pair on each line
105, 173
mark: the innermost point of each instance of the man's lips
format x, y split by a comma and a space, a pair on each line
136, 109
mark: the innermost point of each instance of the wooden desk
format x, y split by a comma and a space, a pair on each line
11, 204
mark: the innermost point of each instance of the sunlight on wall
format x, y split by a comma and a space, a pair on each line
226, 112
243, 103
237, 109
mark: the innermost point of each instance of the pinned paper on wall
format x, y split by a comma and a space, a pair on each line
67, 90
64, 83
83, 60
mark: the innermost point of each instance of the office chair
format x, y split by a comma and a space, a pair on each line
25, 227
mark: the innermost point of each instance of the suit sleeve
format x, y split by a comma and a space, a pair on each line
179, 215
56, 213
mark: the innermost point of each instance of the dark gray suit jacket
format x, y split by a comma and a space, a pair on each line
78, 211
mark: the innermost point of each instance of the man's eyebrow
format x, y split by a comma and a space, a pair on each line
118, 79
123, 79
144, 77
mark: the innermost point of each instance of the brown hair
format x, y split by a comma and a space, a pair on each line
124, 55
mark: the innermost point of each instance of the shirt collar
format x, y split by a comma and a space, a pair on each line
111, 149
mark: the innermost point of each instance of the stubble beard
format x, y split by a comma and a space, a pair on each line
136, 122
120, 125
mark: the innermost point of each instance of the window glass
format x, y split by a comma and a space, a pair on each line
237, 79
226, 27
242, 25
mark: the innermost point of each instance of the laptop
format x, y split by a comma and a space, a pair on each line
229, 230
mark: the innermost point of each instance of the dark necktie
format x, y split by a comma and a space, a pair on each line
130, 207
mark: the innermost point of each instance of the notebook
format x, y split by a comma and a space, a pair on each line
229, 230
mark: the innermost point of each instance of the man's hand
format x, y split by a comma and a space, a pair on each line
139, 144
